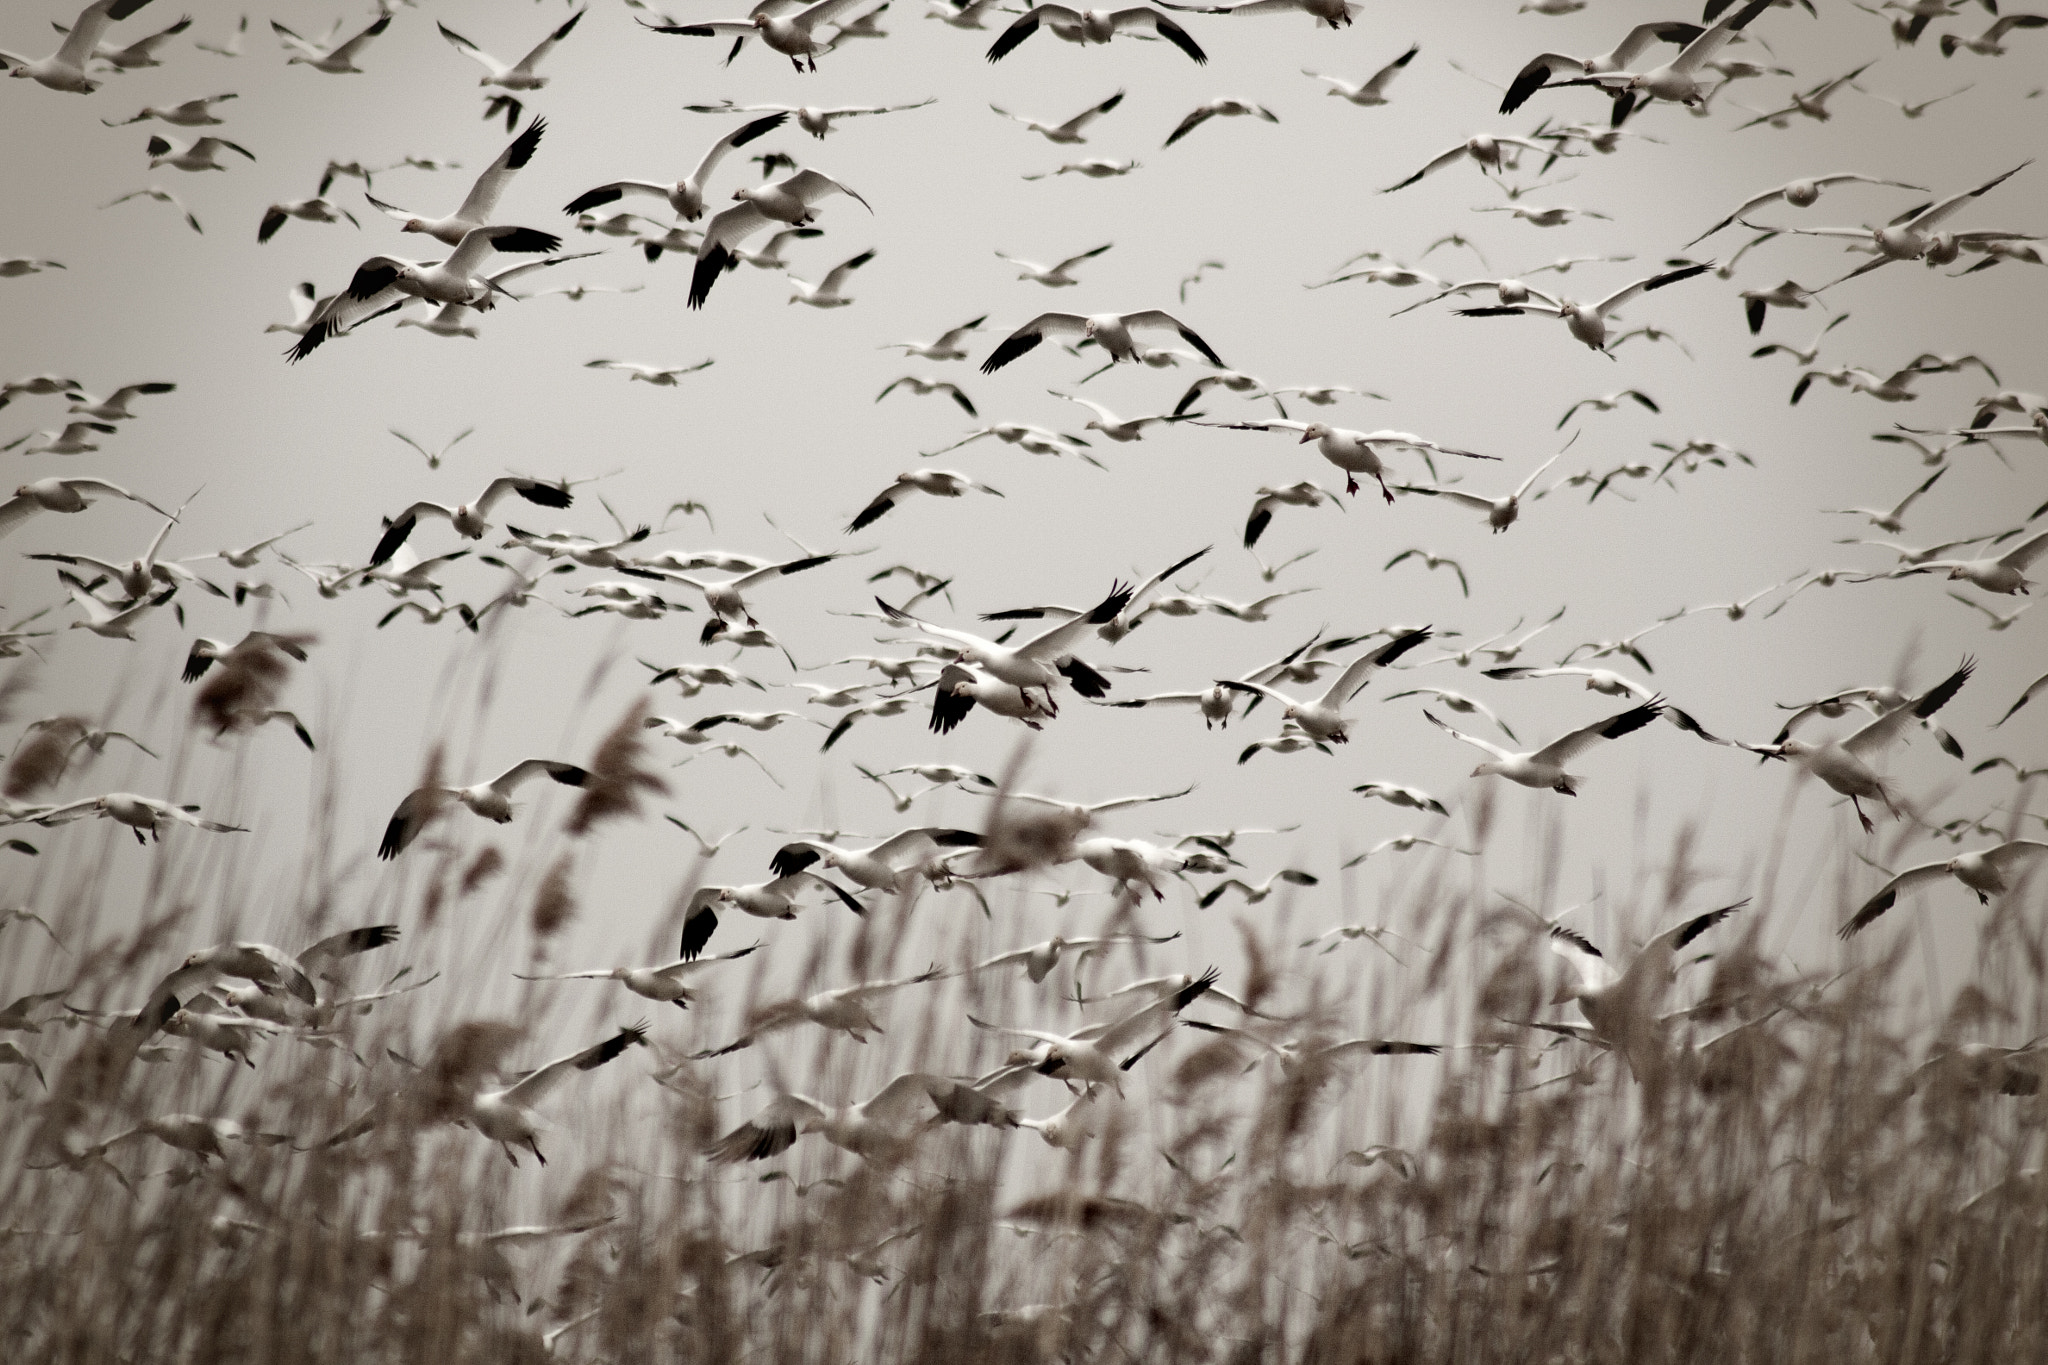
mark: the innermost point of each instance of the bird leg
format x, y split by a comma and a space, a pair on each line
534, 1143
1383, 489
1868, 828
1351, 484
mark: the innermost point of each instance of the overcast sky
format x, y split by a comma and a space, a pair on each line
784, 424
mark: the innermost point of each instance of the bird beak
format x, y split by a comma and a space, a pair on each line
1305, 439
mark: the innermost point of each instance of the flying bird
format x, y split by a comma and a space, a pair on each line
1093, 26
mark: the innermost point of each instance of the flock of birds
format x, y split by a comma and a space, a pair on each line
1031, 663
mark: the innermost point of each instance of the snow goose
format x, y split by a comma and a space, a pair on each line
1040, 661
457, 319
925, 387
1588, 321
468, 518
1621, 1007
724, 600
1255, 894
1031, 439
939, 483
1332, 14
478, 207
492, 800
883, 1127
1805, 357
661, 376
1487, 149
1812, 102
1313, 1060
1545, 767
106, 620
1095, 1053
1612, 684
1995, 620
1801, 193
2026, 695
199, 155
519, 75
1323, 719
1501, 513
694, 678
685, 197
791, 35
306, 211
1634, 45
813, 120
1221, 107
775, 899
890, 866
74, 439
142, 814
191, 114
1844, 764
1913, 236
1066, 134
506, 1116
1093, 26
789, 200
1990, 43
947, 347
1095, 168
1039, 959
338, 60
1892, 519
1302, 494
1120, 429
844, 1010
1987, 871
1686, 79
1217, 702
385, 281
230, 48
1394, 794
1456, 702
1111, 331
1608, 404
2005, 574
827, 293
1354, 452
1053, 276
664, 983
1372, 93
64, 69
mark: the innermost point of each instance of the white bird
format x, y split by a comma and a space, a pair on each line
492, 800
1053, 276
812, 119
664, 983
1402, 843
2005, 574
1095, 1053
64, 69
142, 814
1987, 871
1095, 168
1254, 894
1394, 794
109, 621
959, 687
1222, 107
519, 75
200, 155
885, 1126
468, 518
1351, 933
947, 347
791, 35
1844, 764
1039, 662
1217, 702
890, 866
1487, 149
844, 1010
1545, 767
481, 203
1990, 42
1801, 193
1323, 718
776, 899
685, 197
74, 439
1686, 79
306, 211
1588, 321
1501, 513
789, 200
1354, 452
1093, 26
1892, 519
191, 114
506, 1116
723, 600
1373, 92
1111, 331
1915, 236
1069, 133
1071, 1127
939, 483
161, 196
1632, 48
386, 281
924, 387
1621, 1008
335, 61
1039, 959
828, 292
1301, 494
661, 376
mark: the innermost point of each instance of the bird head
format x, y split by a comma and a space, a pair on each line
1314, 431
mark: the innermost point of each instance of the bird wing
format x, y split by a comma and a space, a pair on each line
1879, 734
738, 137
531, 1090
1643, 286
1562, 751
1595, 971
547, 44
1934, 214
1361, 668
324, 954
88, 28
1031, 333
1053, 641
2025, 553
1699, 50
1189, 124
1888, 895
914, 845
2013, 854
482, 201
835, 278
769, 1133
811, 186
477, 54
1156, 317
349, 50
568, 774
